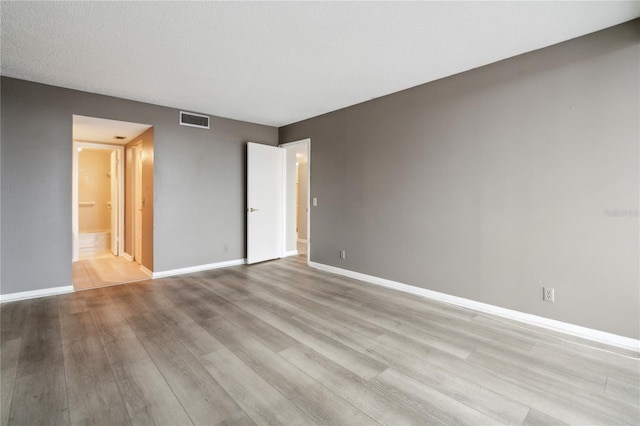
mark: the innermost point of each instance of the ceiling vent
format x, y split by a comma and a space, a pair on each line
194, 120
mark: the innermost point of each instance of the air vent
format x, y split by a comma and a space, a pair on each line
194, 120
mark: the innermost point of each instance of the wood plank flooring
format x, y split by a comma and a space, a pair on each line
280, 343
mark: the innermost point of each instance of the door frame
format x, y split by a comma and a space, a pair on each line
136, 205
75, 225
306, 141
114, 181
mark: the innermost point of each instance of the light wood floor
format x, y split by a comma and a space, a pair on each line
103, 270
279, 343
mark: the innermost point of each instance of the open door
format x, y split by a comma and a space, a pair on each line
115, 208
265, 197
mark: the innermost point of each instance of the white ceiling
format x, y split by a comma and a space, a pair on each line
277, 62
91, 129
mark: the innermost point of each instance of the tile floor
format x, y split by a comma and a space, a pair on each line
302, 248
105, 269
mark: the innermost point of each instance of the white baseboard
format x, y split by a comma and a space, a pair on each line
550, 324
198, 268
291, 253
300, 240
32, 294
69, 289
127, 256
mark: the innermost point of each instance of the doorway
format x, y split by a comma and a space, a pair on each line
297, 190
98, 212
108, 201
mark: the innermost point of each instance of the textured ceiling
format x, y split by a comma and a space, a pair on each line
277, 62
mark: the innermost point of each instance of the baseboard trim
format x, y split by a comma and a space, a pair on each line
300, 240
291, 253
217, 265
32, 294
69, 289
550, 324
127, 256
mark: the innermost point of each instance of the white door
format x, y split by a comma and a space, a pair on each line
137, 204
114, 203
265, 182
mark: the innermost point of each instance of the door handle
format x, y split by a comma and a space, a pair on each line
253, 210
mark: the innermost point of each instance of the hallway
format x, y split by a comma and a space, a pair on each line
105, 270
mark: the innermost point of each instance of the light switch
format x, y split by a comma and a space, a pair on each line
315, 202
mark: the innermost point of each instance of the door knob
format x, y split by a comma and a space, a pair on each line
253, 210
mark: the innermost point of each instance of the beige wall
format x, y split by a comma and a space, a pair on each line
146, 140
302, 200
291, 193
128, 197
94, 184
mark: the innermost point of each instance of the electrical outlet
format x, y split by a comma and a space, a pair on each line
548, 294
225, 247
343, 254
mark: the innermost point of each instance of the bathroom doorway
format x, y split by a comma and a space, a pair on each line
109, 201
99, 190
298, 200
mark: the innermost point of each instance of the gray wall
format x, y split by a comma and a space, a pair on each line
199, 183
492, 183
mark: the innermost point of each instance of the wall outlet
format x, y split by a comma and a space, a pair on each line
225, 247
548, 294
314, 201
343, 254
